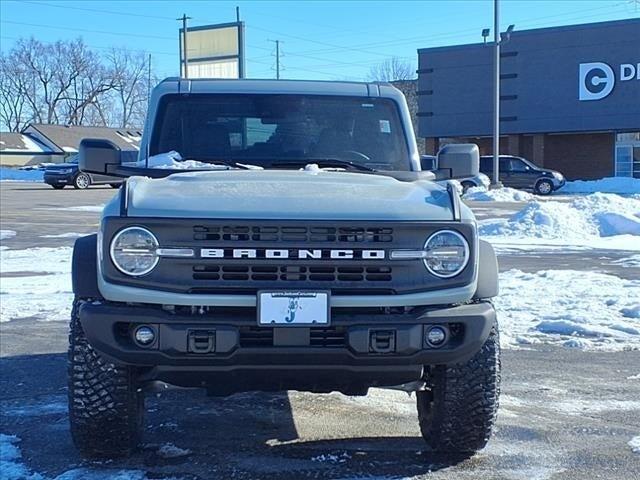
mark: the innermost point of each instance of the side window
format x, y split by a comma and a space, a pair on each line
505, 165
519, 166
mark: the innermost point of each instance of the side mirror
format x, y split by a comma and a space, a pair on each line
98, 156
461, 160
427, 162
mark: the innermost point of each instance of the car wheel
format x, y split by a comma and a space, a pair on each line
459, 410
115, 185
106, 403
82, 181
544, 187
466, 185
58, 187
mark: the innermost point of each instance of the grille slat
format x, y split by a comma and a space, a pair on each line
292, 273
243, 233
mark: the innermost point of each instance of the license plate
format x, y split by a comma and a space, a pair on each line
293, 308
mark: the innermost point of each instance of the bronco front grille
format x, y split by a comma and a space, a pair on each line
302, 234
292, 273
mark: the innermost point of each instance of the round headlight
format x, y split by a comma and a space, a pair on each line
447, 253
133, 251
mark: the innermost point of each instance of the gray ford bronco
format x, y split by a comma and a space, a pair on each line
280, 235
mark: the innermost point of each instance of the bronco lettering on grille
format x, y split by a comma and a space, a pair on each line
302, 254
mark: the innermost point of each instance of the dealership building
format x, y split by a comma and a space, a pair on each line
569, 97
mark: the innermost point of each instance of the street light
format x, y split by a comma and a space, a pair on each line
498, 38
485, 34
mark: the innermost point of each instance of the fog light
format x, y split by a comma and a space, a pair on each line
145, 336
436, 336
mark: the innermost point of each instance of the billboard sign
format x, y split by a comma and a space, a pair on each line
213, 51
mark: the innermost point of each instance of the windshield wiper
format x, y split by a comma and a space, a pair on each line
327, 162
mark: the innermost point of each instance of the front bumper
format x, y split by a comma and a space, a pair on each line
51, 178
558, 183
226, 352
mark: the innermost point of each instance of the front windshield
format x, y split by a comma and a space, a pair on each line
280, 130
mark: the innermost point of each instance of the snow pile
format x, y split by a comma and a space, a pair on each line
17, 175
6, 234
36, 283
580, 309
634, 443
624, 185
506, 194
599, 220
169, 450
173, 160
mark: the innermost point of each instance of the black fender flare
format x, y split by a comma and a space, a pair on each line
84, 267
487, 272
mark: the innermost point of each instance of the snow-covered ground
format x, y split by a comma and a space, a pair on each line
599, 220
36, 283
578, 309
622, 185
18, 175
79, 208
5, 234
481, 194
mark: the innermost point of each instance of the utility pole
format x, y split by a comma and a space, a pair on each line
277, 42
184, 19
496, 95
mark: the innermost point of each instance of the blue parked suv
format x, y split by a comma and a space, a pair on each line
518, 172
60, 175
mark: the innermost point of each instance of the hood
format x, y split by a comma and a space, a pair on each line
283, 194
61, 166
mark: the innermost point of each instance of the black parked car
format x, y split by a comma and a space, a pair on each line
517, 172
60, 175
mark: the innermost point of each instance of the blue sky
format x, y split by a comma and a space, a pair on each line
321, 40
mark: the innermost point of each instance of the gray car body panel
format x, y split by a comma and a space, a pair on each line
278, 194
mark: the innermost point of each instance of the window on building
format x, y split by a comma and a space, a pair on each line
627, 153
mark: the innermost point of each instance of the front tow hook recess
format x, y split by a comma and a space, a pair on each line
202, 341
382, 341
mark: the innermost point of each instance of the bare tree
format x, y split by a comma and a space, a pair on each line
392, 69
13, 102
131, 86
67, 83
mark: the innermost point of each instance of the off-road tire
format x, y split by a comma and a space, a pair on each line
106, 406
544, 187
456, 416
81, 181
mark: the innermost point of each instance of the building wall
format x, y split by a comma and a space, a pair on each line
588, 156
544, 74
577, 156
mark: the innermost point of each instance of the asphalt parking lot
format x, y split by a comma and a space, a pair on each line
565, 413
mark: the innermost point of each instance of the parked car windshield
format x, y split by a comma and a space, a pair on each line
273, 130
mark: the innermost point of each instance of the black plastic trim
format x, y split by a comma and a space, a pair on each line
84, 267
